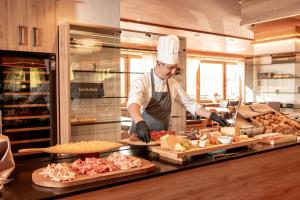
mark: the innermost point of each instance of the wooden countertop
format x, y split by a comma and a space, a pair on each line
23, 188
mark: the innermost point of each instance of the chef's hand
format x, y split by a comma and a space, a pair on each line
215, 117
143, 131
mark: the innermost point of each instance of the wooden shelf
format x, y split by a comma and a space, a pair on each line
24, 67
27, 117
15, 130
110, 72
93, 122
292, 62
30, 141
277, 92
23, 72
25, 105
14, 82
25, 93
279, 78
274, 54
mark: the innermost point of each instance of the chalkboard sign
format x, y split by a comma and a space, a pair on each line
87, 90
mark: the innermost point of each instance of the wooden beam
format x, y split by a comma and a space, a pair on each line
184, 29
212, 54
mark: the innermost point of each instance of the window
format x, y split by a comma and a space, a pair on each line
192, 68
211, 80
207, 77
135, 68
132, 66
233, 81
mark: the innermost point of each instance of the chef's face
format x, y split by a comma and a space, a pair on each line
165, 71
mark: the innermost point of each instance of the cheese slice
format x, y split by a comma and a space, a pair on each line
169, 141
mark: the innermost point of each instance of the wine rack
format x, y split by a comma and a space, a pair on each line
27, 84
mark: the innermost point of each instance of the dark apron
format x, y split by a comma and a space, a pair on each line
158, 111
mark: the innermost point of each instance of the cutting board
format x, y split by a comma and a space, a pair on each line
84, 179
139, 142
285, 138
181, 156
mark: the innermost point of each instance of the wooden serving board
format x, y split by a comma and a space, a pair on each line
83, 179
181, 156
139, 142
248, 111
285, 138
83, 147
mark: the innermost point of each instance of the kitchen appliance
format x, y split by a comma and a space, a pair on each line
28, 99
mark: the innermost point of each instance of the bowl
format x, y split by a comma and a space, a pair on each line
225, 139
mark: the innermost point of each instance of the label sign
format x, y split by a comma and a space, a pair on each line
87, 90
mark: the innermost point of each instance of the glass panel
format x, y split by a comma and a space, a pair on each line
95, 85
100, 79
210, 81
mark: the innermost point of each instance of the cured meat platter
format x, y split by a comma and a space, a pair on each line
39, 177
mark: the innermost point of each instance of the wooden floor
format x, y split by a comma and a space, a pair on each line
272, 175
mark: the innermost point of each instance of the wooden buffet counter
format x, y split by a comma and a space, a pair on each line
264, 172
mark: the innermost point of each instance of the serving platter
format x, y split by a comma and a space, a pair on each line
281, 138
181, 157
84, 179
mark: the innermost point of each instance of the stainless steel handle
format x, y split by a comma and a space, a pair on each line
36, 35
22, 35
1, 122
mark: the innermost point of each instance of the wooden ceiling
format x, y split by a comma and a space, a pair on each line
213, 16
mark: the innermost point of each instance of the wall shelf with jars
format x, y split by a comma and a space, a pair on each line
276, 76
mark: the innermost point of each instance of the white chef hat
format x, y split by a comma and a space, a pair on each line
167, 49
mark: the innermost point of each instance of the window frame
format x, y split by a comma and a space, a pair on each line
126, 72
224, 78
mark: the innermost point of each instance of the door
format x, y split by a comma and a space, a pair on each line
42, 25
17, 29
3, 22
28, 25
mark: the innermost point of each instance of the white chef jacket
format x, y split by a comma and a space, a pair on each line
140, 93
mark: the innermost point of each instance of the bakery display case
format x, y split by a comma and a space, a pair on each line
27, 91
94, 80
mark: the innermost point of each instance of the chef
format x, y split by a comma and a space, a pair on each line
152, 94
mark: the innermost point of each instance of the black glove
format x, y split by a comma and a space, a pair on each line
215, 117
143, 131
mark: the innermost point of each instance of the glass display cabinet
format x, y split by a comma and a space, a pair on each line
96, 67
27, 97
